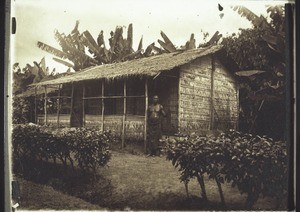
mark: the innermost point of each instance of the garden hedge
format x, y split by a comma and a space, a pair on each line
87, 148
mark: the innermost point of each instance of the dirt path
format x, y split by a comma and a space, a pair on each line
141, 182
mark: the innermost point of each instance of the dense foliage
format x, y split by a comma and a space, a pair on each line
255, 165
87, 148
260, 54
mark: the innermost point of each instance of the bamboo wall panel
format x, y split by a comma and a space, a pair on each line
225, 98
134, 125
194, 96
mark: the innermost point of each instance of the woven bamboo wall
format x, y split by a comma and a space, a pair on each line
134, 125
225, 98
195, 97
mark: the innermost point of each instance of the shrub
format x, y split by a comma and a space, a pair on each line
89, 145
256, 165
89, 148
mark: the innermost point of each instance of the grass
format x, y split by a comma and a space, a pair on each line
130, 181
152, 183
35, 197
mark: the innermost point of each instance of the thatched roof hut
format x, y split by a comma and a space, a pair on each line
196, 87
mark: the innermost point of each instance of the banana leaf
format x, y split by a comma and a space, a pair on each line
91, 40
215, 38
168, 42
129, 37
158, 50
116, 37
166, 47
91, 47
140, 47
75, 30
191, 44
52, 50
63, 62
132, 55
73, 51
257, 21
249, 73
100, 39
149, 50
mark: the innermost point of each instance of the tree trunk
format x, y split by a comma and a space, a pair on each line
221, 192
201, 183
186, 188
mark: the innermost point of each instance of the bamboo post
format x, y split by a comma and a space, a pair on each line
124, 115
212, 93
102, 102
58, 105
35, 105
72, 100
45, 106
146, 115
238, 107
83, 109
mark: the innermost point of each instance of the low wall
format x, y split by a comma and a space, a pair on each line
64, 120
134, 125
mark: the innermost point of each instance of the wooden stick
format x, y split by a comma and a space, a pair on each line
35, 105
113, 97
238, 107
72, 100
58, 106
124, 115
213, 67
83, 112
102, 102
61, 97
146, 115
45, 106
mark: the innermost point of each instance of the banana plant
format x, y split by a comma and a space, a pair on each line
84, 51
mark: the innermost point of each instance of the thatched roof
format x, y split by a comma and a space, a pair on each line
30, 91
148, 66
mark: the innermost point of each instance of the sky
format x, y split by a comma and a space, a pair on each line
38, 19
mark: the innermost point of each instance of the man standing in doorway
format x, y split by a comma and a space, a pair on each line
155, 113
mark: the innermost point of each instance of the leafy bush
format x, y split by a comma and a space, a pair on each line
89, 148
256, 165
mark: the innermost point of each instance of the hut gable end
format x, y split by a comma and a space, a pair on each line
207, 96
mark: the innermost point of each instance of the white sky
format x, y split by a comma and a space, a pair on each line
37, 20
